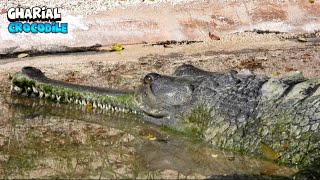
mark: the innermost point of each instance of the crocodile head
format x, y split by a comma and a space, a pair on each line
170, 97
161, 96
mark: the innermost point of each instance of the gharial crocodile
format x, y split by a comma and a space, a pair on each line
237, 111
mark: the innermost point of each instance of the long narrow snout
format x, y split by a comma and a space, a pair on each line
32, 82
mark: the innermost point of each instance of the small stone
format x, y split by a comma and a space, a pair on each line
245, 72
231, 158
261, 58
127, 138
4, 157
301, 39
214, 155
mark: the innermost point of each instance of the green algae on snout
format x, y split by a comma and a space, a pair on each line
21, 81
121, 99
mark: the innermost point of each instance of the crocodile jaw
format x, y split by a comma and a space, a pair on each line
32, 82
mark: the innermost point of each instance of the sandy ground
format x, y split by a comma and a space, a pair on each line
262, 53
107, 22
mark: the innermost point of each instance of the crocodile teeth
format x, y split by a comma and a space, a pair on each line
53, 96
41, 94
46, 95
104, 105
34, 89
29, 89
17, 89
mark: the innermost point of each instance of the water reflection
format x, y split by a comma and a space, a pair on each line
45, 139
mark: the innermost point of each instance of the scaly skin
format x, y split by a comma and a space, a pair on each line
231, 110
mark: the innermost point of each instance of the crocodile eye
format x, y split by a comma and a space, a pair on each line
149, 78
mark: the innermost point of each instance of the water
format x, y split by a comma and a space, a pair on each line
43, 139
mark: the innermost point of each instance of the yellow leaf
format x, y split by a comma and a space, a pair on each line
89, 106
149, 137
23, 55
268, 152
276, 73
117, 47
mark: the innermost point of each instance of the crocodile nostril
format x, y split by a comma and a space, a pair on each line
149, 78
32, 71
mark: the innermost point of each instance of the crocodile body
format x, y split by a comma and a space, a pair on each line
236, 111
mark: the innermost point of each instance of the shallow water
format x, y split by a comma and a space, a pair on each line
42, 139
